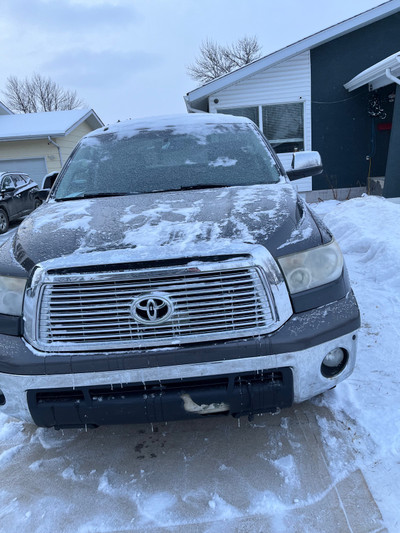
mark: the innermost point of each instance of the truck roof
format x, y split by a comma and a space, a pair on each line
167, 121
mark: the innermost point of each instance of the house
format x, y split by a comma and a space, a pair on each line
299, 96
39, 143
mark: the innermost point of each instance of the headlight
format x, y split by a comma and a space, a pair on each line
11, 295
312, 268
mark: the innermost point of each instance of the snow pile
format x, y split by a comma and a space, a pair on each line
368, 232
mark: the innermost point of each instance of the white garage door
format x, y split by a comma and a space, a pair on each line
35, 167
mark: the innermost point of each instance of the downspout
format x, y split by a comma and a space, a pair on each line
58, 148
391, 77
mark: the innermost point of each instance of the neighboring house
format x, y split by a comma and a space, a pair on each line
38, 143
298, 97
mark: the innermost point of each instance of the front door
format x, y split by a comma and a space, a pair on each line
23, 192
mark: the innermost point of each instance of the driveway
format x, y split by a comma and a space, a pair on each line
300, 471
294, 471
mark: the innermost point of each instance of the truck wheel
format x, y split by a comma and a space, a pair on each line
4, 222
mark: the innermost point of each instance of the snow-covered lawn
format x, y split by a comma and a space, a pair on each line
188, 476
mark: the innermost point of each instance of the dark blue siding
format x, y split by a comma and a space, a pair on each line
342, 130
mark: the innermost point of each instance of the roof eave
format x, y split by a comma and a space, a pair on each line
31, 137
93, 120
317, 39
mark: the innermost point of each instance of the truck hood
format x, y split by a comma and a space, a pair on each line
168, 224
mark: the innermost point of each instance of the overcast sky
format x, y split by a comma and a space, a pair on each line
128, 58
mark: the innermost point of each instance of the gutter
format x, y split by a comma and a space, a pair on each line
57, 146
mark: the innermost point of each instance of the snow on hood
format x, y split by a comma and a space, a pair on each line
169, 224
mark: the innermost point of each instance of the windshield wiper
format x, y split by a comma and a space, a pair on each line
193, 187
81, 196
203, 186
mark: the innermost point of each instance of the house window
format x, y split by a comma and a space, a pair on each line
283, 126
249, 112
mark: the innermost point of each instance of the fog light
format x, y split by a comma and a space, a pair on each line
334, 362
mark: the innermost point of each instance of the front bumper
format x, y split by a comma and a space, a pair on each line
55, 389
305, 366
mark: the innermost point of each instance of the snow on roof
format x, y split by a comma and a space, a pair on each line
41, 125
197, 96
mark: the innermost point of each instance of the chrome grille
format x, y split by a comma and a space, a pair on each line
95, 313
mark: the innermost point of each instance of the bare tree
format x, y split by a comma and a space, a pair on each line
36, 94
215, 60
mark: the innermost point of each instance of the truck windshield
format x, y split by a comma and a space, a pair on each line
144, 161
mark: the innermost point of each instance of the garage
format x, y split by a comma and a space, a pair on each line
39, 143
35, 167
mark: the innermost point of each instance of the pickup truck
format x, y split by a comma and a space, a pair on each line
172, 273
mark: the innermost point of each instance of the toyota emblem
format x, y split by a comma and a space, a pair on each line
152, 309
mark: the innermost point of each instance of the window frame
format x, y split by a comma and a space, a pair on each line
260, 107
8, 177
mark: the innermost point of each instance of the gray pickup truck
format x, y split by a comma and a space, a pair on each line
172, 273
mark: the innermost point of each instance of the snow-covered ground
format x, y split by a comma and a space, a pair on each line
189, 476
368, 231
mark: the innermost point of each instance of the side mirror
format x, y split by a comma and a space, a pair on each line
305, 164
42, 194
49, 180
